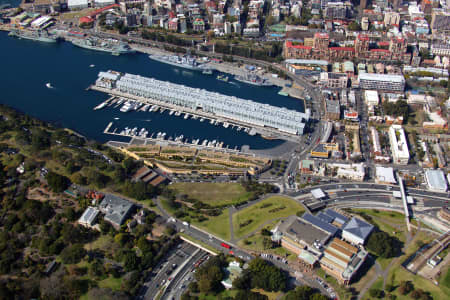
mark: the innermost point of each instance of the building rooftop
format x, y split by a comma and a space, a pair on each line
317, 222
318, 193
382, 77
115, 209
296, 229
358, 228
436, 180
88, 216
337, 217
307, 62
385, 174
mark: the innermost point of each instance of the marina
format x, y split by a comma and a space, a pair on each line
162, 138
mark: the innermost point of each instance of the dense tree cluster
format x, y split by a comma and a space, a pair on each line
261, 274
258, 189
210, 275
383, 245
396, 109
58, 183
304, 293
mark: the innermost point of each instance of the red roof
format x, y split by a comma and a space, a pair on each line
97, 11
321, 35
380, 50
383, 43
399, 40
171, 15
86, 20
289, 45
342, 48
363, 37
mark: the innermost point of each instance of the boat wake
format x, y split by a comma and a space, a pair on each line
234, 83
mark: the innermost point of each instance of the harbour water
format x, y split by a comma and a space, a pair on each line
27, 66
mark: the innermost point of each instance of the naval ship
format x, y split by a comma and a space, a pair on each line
185, 61
39, 35
253, 79
115, 48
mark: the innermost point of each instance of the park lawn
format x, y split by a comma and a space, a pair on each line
254, 243
214, 194
400, 273
362, 281
270, 295
256, 215
219, 226
112, 283
378, 284
257, 245
445, 281
221, 295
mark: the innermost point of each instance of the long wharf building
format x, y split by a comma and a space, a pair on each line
230, 107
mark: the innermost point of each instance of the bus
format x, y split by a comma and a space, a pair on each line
225, 245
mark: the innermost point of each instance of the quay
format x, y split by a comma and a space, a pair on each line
260, 118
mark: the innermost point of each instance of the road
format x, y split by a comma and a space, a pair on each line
164, 269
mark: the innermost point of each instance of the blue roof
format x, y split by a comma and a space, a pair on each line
325, 217
337, 216
319, 223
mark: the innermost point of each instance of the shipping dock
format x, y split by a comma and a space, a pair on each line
258, 118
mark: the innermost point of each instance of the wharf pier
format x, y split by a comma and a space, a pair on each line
263, 131
137, 140
107, 128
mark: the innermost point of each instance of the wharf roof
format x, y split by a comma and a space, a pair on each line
358, 228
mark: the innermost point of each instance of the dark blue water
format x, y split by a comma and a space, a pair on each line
14, 3
26, 67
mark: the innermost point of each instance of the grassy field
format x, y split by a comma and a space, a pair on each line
250, 218
112, 283
222, 295
270, 295
219, 225
214, 194
254, 243
397, 273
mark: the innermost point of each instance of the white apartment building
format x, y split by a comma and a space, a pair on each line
386, 82
399, 146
